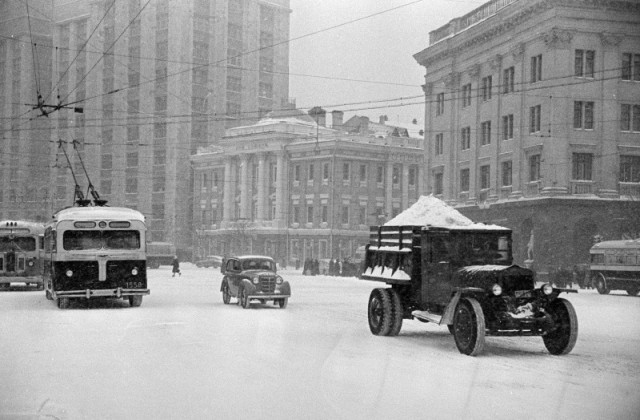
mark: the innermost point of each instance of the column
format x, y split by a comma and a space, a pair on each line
405, 187
244, 186
388, 199
228, 198
262, 187
280, 189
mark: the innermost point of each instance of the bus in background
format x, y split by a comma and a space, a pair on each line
20, 253
160, 253
615, 265
95, 252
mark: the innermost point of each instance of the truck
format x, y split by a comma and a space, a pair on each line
615, 265
463, 277
160, 253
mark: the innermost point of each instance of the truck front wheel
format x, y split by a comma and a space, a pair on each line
380, 317
562, 339
469, 327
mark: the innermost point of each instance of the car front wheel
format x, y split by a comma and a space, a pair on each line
563, 337
244, 299
469, 327
283, 303
226, 296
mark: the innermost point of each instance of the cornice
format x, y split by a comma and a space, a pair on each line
558, 38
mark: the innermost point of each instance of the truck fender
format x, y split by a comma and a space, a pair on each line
449, 311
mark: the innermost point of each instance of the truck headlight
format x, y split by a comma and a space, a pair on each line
134, 271
496, 289
547, 289
279, 280
69, 273
255, 280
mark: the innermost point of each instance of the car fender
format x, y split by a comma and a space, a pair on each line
285, 288
247, 285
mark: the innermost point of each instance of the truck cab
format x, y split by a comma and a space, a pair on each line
462, 277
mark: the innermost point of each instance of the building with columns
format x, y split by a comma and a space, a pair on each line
293, 188
532, 121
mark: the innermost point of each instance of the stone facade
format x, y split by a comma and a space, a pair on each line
293, 189
533, 101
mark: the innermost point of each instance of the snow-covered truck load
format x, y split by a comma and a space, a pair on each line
443, 268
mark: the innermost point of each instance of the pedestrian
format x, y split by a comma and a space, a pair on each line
176, 266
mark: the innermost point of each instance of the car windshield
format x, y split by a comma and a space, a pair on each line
258, 265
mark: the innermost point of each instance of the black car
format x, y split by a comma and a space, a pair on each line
253, 277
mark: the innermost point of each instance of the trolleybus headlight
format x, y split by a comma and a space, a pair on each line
547, 289
255, 280
496, 289
278, 280
134, 271
69, 273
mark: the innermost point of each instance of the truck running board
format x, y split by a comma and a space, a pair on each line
427, 316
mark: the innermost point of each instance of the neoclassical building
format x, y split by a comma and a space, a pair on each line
293, 188
532, 121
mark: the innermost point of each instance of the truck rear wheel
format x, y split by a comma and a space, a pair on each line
379, 312
562, 339
396, 312
469, 327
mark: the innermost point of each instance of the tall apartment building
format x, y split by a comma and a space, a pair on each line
25, 70
156, 80
293, 188
533, 122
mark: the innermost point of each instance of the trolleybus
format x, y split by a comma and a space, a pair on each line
20, 253
615, 265
93, 252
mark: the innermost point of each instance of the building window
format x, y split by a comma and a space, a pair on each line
346, 172
380, 175
325, 172
584, 63
507, 173
536, 68
583, 115
296, 214
395, 175
345, 215
363, 173
630, 117
629, 168
534, 168
582, 163
508, 82
362, 215
310, 173
465, 138
466, 95
507, 127
631, 67
464, 180
485, 137
439, 146
440, 104
325, 214
132, 160
131, 185
296, 173
412, 176
309, 214
534, 119
485, 177
486, 88
437, 183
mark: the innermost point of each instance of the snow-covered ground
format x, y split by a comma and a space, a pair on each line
183, 354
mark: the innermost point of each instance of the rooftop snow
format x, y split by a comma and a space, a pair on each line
429, 210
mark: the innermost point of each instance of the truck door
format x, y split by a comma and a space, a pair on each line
437, 256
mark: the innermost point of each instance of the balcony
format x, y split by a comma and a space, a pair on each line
581, 187
629, 189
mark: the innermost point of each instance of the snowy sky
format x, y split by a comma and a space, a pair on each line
378, 49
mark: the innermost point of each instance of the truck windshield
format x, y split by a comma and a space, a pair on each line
483, 248
98, 239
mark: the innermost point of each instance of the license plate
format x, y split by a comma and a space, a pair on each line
133, 285
522, 293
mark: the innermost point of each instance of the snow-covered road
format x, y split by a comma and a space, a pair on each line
183, 354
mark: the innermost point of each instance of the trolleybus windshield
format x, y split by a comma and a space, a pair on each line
98, 239
20, 243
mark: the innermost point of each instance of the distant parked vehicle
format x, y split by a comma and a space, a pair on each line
615, 265
21, 250
160, 253
214, 261
253, 277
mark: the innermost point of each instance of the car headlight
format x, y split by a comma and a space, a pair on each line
279, 280
69, 273
134, 271
547, 289
496, 289
255, 280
